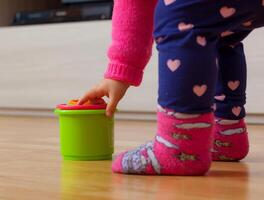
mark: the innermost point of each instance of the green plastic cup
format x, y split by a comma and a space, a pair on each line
86, 134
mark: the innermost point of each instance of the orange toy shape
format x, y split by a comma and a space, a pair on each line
98, 101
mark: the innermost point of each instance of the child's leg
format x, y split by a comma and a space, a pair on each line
230, 135
187, 77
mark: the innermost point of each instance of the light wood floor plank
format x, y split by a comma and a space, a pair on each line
31, 168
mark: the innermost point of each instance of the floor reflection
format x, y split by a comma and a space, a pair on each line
94, 180
81, 179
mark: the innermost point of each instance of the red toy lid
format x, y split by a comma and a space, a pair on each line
99, 104
81, 107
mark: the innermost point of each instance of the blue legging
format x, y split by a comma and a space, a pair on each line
202, 64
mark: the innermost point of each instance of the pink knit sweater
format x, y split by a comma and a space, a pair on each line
131, 47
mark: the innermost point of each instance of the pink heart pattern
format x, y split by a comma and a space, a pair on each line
220, 97
236, 110
168, 2
227, 12
159, 40
173, 65
201, 40
233, 85
226, 33
248, 23
199, 90
185, 27
214, 107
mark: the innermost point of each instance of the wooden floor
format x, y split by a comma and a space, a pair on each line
31, 168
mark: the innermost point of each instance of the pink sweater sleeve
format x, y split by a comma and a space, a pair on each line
131, 47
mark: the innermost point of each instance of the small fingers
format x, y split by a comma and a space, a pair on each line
91, 95
111, 106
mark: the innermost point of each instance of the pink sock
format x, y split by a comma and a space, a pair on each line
230, 140
181, 147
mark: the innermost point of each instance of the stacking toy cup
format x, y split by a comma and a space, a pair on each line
85, 132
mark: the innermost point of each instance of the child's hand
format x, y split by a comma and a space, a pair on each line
114, 90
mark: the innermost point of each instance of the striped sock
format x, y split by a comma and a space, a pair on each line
181, 147
230, 140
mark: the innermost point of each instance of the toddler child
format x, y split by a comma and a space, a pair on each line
202, 80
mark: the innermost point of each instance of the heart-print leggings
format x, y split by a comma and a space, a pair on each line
202, 65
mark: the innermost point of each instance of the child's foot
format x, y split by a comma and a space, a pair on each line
181, 147
230, 140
